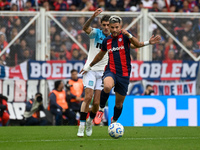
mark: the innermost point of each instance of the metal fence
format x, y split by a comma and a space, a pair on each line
59, 36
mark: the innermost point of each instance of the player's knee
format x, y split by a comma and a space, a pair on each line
119, 105
88, 99
107, 88
96, 104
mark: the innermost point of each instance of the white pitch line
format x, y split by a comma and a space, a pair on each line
90, 139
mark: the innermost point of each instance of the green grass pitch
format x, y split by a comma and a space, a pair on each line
64, 138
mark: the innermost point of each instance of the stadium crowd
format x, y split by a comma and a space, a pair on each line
187, 31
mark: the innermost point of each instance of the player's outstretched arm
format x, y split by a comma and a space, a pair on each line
97, 58
86, 27
153, 40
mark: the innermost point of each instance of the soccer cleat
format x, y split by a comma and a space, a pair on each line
98, 117
113, 121
81, 129
88, 128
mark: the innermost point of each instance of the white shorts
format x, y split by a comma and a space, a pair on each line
93, 80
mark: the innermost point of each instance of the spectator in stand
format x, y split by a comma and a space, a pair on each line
20, 3
46, 5
112, 6
196, 9
186, 6
86, 5
186, 56
26, 55
4, 5
3, 44
31, 41
83, 55
140, 6
192, 4
17, 24
15, 54
4, 115
53, 33
61, 5
191, 45
14, 7
75, 46
168, 46
59, 105
128, 4
177, 3
75, 55
155, 7
67, 53
71, 30
171, 55
55, 46
101, 4
173, 8
28, 6
186, 31
79, 25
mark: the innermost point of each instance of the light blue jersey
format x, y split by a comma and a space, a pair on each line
96, 38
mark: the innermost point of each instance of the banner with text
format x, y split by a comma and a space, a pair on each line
158, 111
174, 88
164, 70
18, 92
53, 69
15, 73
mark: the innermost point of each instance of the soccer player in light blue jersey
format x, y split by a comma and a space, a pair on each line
93, 78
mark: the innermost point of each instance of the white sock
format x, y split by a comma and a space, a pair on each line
101, 109
82, 123
89, 119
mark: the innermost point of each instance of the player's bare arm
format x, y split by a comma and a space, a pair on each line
136, 44
97, 58
87, 28
153, 40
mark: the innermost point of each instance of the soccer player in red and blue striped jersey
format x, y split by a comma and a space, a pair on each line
117, 71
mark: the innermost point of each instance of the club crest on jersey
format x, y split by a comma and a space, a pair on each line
120, 39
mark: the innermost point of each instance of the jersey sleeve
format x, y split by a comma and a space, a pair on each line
93, 33
104, 45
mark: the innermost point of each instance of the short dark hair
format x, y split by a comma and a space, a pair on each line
73, 70
38, 93
57, 83
148, 85
105, 18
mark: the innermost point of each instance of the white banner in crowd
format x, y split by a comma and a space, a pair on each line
174, 88
18, 92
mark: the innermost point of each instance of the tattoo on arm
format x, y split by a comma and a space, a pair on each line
141, 44
87, 24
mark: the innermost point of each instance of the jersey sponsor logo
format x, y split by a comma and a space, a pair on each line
116, 49
90, 83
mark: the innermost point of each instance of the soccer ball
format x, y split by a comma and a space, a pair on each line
115, 130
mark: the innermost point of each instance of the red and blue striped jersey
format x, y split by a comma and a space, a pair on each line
118, 48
